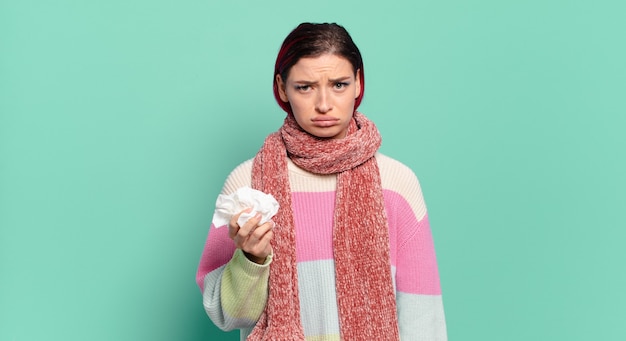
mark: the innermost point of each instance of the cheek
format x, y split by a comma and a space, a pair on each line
299, 120
347, 102
299, 104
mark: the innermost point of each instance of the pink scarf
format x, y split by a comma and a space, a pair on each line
365, 294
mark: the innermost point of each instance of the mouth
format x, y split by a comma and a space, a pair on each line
325, 121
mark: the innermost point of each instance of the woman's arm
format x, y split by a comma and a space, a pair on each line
418, 291
234, 294
420, 306
234, 289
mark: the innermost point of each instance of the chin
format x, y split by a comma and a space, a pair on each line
327, 134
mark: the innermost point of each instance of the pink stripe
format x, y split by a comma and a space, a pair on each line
412, 248
218, 250
417, 264
314, 222
390, 198
313, 216
412, 252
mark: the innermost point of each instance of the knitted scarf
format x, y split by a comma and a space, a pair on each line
365, 294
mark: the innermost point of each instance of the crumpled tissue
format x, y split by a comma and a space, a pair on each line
245, 197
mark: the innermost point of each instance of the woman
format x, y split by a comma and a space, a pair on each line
349, 255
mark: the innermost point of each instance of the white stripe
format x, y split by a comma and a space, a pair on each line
318, 297
421, 317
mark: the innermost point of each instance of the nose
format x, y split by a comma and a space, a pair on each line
323, 104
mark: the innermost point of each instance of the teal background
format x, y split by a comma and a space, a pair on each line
119, 121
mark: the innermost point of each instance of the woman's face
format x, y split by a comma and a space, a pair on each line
321, 92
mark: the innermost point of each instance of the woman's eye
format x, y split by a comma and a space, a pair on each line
340, 85
303, 87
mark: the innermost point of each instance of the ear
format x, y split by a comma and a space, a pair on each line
281, 89
357, 82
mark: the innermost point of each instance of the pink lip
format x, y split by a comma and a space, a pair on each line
325, 121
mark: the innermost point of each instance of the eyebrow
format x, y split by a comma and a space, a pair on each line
334, 80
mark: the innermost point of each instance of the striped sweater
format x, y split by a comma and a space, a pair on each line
234, 289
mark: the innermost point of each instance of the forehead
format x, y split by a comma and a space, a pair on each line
325, 64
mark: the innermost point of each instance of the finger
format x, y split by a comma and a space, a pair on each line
265, 242
235, 217
249, 226
262, 248
258, 233
233, 225
258, 236
243, 233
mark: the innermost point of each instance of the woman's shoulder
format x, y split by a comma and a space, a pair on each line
240, 176
392, 171
399, 179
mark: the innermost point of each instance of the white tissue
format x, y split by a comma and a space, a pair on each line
245, 197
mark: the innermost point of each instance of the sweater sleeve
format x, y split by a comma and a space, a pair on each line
234, 289
420, 306
234, 295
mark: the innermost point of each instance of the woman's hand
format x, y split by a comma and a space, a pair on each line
253, 240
